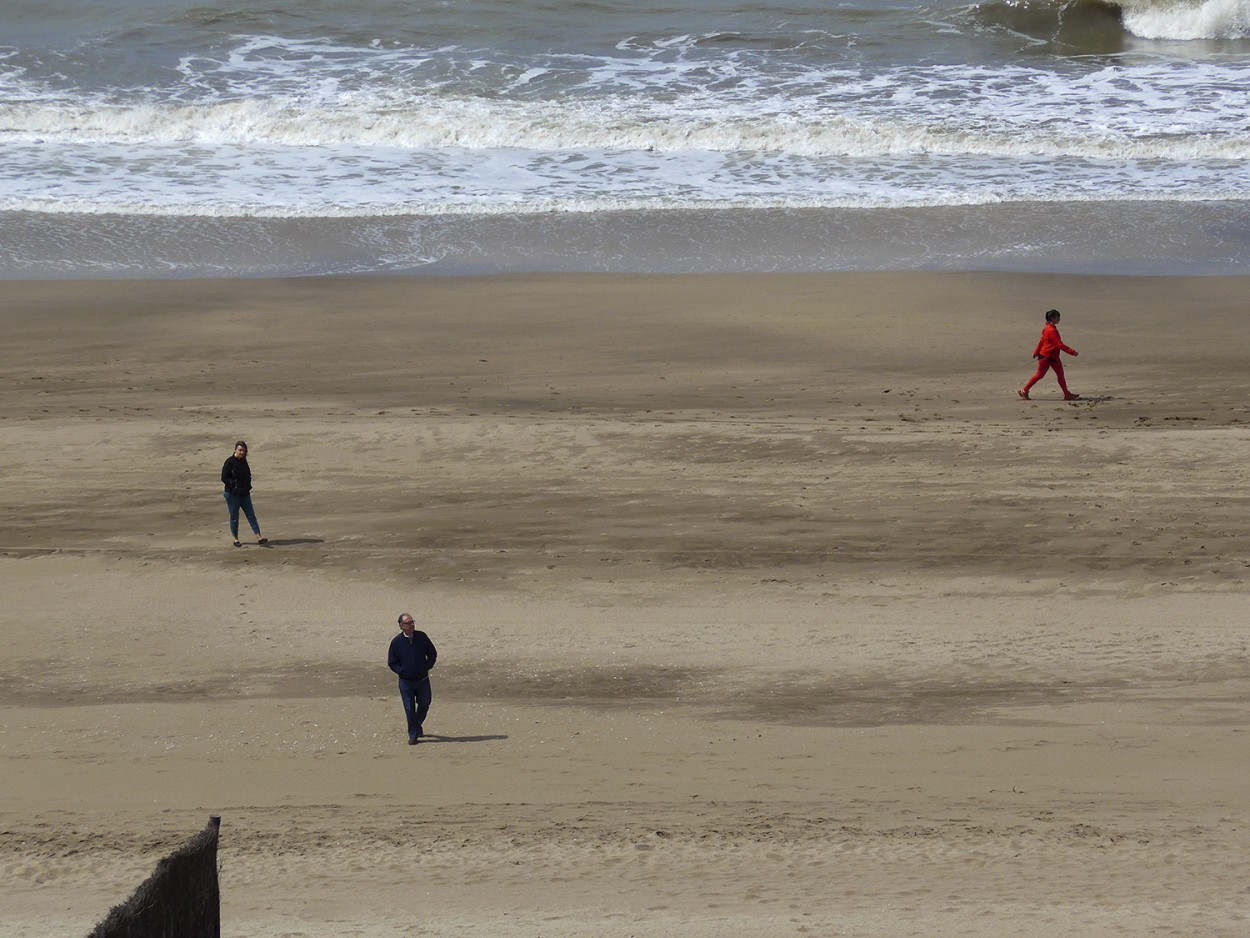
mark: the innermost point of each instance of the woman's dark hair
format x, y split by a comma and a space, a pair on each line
1052, 315
244, 445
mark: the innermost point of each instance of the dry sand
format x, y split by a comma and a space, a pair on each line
764, 606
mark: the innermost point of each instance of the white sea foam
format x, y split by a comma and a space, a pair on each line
1154, 112
1169, 19
283, 182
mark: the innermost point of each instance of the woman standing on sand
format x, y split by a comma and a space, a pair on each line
1047, 355
236, 476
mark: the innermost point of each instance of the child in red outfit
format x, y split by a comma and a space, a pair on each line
1047, 354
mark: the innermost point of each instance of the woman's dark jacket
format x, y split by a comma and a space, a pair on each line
236, 476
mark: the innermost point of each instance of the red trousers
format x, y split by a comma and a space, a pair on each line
1044, 365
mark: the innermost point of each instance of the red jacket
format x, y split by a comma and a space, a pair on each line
1050, 345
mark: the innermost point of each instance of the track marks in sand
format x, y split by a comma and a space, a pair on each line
979, 863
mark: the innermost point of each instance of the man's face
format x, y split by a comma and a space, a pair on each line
407, 625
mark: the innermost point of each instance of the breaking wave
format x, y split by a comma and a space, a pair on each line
1097, 24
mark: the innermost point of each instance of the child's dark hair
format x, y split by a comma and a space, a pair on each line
1052, 315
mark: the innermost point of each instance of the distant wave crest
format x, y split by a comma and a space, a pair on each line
1169, 19
1098, 23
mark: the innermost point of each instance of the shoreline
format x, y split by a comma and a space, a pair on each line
763, 604
1170, 238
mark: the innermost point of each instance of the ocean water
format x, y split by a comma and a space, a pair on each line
173, 138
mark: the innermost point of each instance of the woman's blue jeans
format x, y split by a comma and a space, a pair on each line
416, 696
235, 502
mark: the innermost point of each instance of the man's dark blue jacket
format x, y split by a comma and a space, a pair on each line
412, 658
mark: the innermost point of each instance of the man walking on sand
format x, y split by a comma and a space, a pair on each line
411, 656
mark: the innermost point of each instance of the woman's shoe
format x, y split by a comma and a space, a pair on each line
238, 543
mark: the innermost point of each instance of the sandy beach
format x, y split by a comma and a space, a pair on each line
764, 606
